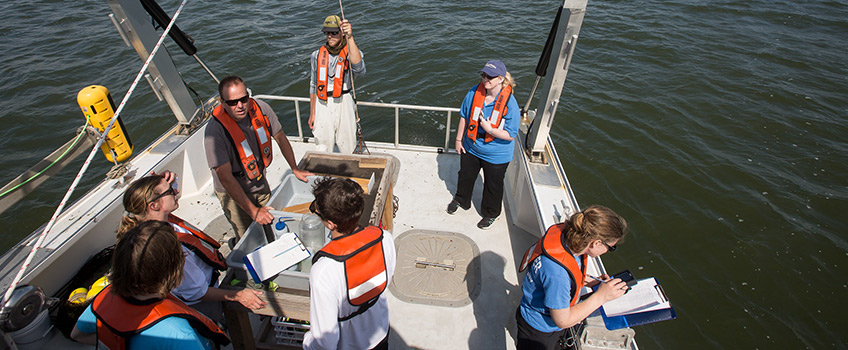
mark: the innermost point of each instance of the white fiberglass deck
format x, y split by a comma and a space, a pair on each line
424, 188
425, 185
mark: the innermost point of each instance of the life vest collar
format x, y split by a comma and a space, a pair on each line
342, 65
552, 245
119, 318
364, 263
498, 112
261, 127
195, 240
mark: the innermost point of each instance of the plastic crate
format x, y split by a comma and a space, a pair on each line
289, 331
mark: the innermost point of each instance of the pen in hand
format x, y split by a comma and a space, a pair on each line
596, 279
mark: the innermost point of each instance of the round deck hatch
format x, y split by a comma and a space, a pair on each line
436, 268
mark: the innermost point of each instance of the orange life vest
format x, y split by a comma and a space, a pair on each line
551, 245
262, 128
365, 266
118, 318
342, 65
194, 242
497, 113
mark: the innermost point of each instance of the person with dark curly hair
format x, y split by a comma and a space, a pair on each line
347, 303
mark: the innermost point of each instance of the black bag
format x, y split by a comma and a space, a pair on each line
66, 314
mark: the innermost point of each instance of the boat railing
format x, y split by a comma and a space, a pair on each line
396, 106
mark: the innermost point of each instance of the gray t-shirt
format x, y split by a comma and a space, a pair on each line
220, 150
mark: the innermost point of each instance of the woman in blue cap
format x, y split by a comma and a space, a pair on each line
485, 136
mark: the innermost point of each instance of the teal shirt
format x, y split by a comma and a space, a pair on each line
172, 333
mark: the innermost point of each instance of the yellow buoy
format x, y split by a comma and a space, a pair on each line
97, 287
97, 106
78, 296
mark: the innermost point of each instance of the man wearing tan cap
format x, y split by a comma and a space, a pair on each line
331, 106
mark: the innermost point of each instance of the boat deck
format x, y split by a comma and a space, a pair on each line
425, 185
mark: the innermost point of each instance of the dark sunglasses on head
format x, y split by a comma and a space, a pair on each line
236, 101
332, 33
169, 191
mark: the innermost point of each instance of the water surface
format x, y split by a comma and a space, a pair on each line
716, 128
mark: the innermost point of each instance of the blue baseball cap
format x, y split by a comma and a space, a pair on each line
494, 68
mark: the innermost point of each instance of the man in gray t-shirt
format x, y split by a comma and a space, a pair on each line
238, 147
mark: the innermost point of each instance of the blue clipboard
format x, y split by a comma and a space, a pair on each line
640, 318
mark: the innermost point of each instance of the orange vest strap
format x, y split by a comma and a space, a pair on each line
119, 318
551, 245
192, 241
498, 112
261, 127
323, 73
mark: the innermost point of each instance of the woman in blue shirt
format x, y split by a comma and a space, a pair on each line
485, 137
556, 272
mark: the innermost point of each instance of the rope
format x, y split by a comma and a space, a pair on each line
87, 162
58, 159
360, 144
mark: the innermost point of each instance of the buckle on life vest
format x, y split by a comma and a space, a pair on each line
251, 165
266, 150
321, 87
472, 127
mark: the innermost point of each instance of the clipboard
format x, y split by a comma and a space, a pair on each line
645, 303
271, 259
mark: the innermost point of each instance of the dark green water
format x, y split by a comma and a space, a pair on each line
715, 127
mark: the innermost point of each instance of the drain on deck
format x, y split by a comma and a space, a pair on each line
436, 268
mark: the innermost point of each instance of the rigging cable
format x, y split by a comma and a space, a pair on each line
87, 162
360, 144
58, 159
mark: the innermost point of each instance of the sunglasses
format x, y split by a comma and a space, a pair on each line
234, 102
312, 209
168, 192
487, 77
332, 33
609, 247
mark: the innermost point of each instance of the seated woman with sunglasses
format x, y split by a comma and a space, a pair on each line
154, 197
557, 273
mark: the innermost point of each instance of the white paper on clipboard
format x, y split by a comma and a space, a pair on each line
273, 258
642, 297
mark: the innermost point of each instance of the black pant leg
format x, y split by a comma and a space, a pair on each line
469, 168
493, 185
528, 338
